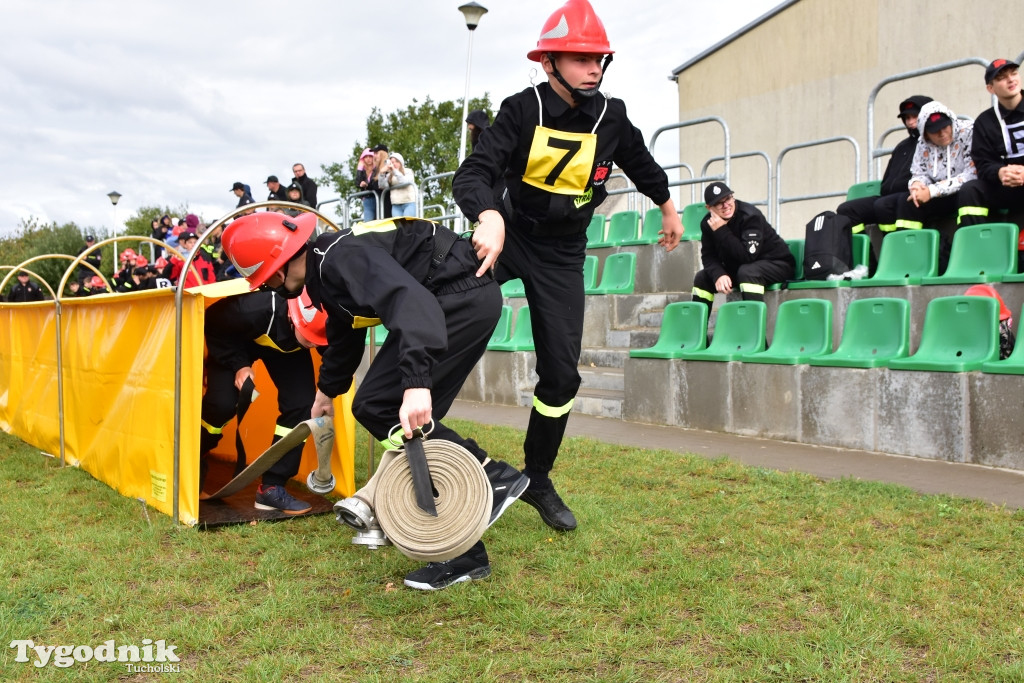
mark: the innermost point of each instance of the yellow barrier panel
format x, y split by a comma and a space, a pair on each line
118, 357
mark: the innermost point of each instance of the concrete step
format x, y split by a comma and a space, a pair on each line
599, 402
612, 379
603, 357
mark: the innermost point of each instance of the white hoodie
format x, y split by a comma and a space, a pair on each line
943, 169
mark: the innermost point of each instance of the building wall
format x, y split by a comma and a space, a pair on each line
807, 72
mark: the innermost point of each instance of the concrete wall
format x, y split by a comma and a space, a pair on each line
807, 73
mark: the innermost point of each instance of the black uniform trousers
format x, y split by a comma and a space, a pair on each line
880, 211
749, 280
292, 374
470, 317
551, 269
979, 195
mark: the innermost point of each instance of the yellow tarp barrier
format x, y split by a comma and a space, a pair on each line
118, 360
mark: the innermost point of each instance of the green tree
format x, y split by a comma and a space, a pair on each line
32, 238
427, 135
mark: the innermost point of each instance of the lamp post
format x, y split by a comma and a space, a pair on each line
114, 197
473, 12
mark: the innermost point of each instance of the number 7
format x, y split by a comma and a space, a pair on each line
571, 147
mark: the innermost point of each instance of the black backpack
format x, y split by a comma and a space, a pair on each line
828, 246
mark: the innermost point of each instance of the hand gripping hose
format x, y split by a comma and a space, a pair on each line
321, 480
463, 501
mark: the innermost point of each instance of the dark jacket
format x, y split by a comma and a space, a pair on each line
897, 171
746, 238
308, 186
499, 161
95, 258
234, 325
29, 291
992, 146
362, 277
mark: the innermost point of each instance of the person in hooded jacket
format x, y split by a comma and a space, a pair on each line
477, 121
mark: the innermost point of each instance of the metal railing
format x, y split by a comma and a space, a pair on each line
780, 200
874, 153
767, 160
694, 122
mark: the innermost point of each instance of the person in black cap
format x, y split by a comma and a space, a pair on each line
276, 189
241, 191
94, 259
997, 148
738, 249
881, 210
25, 290
477, 121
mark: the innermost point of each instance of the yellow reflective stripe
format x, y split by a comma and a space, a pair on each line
382, 225
857, 228
552, 411
282, 431
210, 428
972, 211
703, 294
265, 340
887, 227
751, 288
903, 224
359, 322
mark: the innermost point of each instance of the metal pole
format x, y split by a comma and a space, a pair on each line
465, 100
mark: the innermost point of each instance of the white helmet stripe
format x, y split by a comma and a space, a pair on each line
246, 272
559, 31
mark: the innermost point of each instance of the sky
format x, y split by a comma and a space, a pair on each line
170, 103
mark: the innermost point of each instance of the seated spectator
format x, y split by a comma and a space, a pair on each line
399, 179
942, 164
738, 249
94, 259
97, 286
25, 290
881, 210
123, 280
366, 181
202, 262
997, 149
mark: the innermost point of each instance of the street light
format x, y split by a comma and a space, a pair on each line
473, 12
114, 197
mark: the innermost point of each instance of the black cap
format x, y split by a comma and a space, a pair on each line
479, 118
716, 192
936, 122
381, 148
997, 65
295, 187
237, 186
271, 179
187, 235
912, 105
90, 238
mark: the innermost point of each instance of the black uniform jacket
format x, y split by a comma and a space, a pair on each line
235, 323
500, 158
378, 272
994, 146
746, 238
897, 171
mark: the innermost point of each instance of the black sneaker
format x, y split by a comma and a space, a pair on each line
552, 510
508, 484
277, 498
470, 566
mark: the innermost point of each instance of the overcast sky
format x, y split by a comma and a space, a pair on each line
169, 103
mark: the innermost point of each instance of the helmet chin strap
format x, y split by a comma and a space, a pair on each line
579, 95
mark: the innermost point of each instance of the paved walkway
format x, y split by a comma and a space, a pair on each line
998, 486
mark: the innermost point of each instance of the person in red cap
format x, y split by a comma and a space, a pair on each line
531, 184
997, 148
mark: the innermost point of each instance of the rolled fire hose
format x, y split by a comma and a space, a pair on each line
320, 480
463, 502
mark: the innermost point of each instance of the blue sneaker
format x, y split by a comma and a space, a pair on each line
277, 498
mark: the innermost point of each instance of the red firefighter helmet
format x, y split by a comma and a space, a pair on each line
97, 281
160, 263
308, 320
989, 290
261, 243
141, 261
127, 254
574, 27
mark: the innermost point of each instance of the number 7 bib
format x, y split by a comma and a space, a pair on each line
560, 162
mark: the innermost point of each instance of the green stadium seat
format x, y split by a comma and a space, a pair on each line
684, 327
870, 188
803, 329
589, 272
595, 231
875, 331
693, 214
513, 289
522, 334
906, 257
648, 230
1012, 365
623, 226
796, 248
380, 333
960, 334
619, 276
739, 330
503, 330
980, 253
861, 250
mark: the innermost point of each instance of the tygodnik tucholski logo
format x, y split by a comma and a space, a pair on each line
152, 656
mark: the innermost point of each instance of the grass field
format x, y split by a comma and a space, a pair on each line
682, 569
